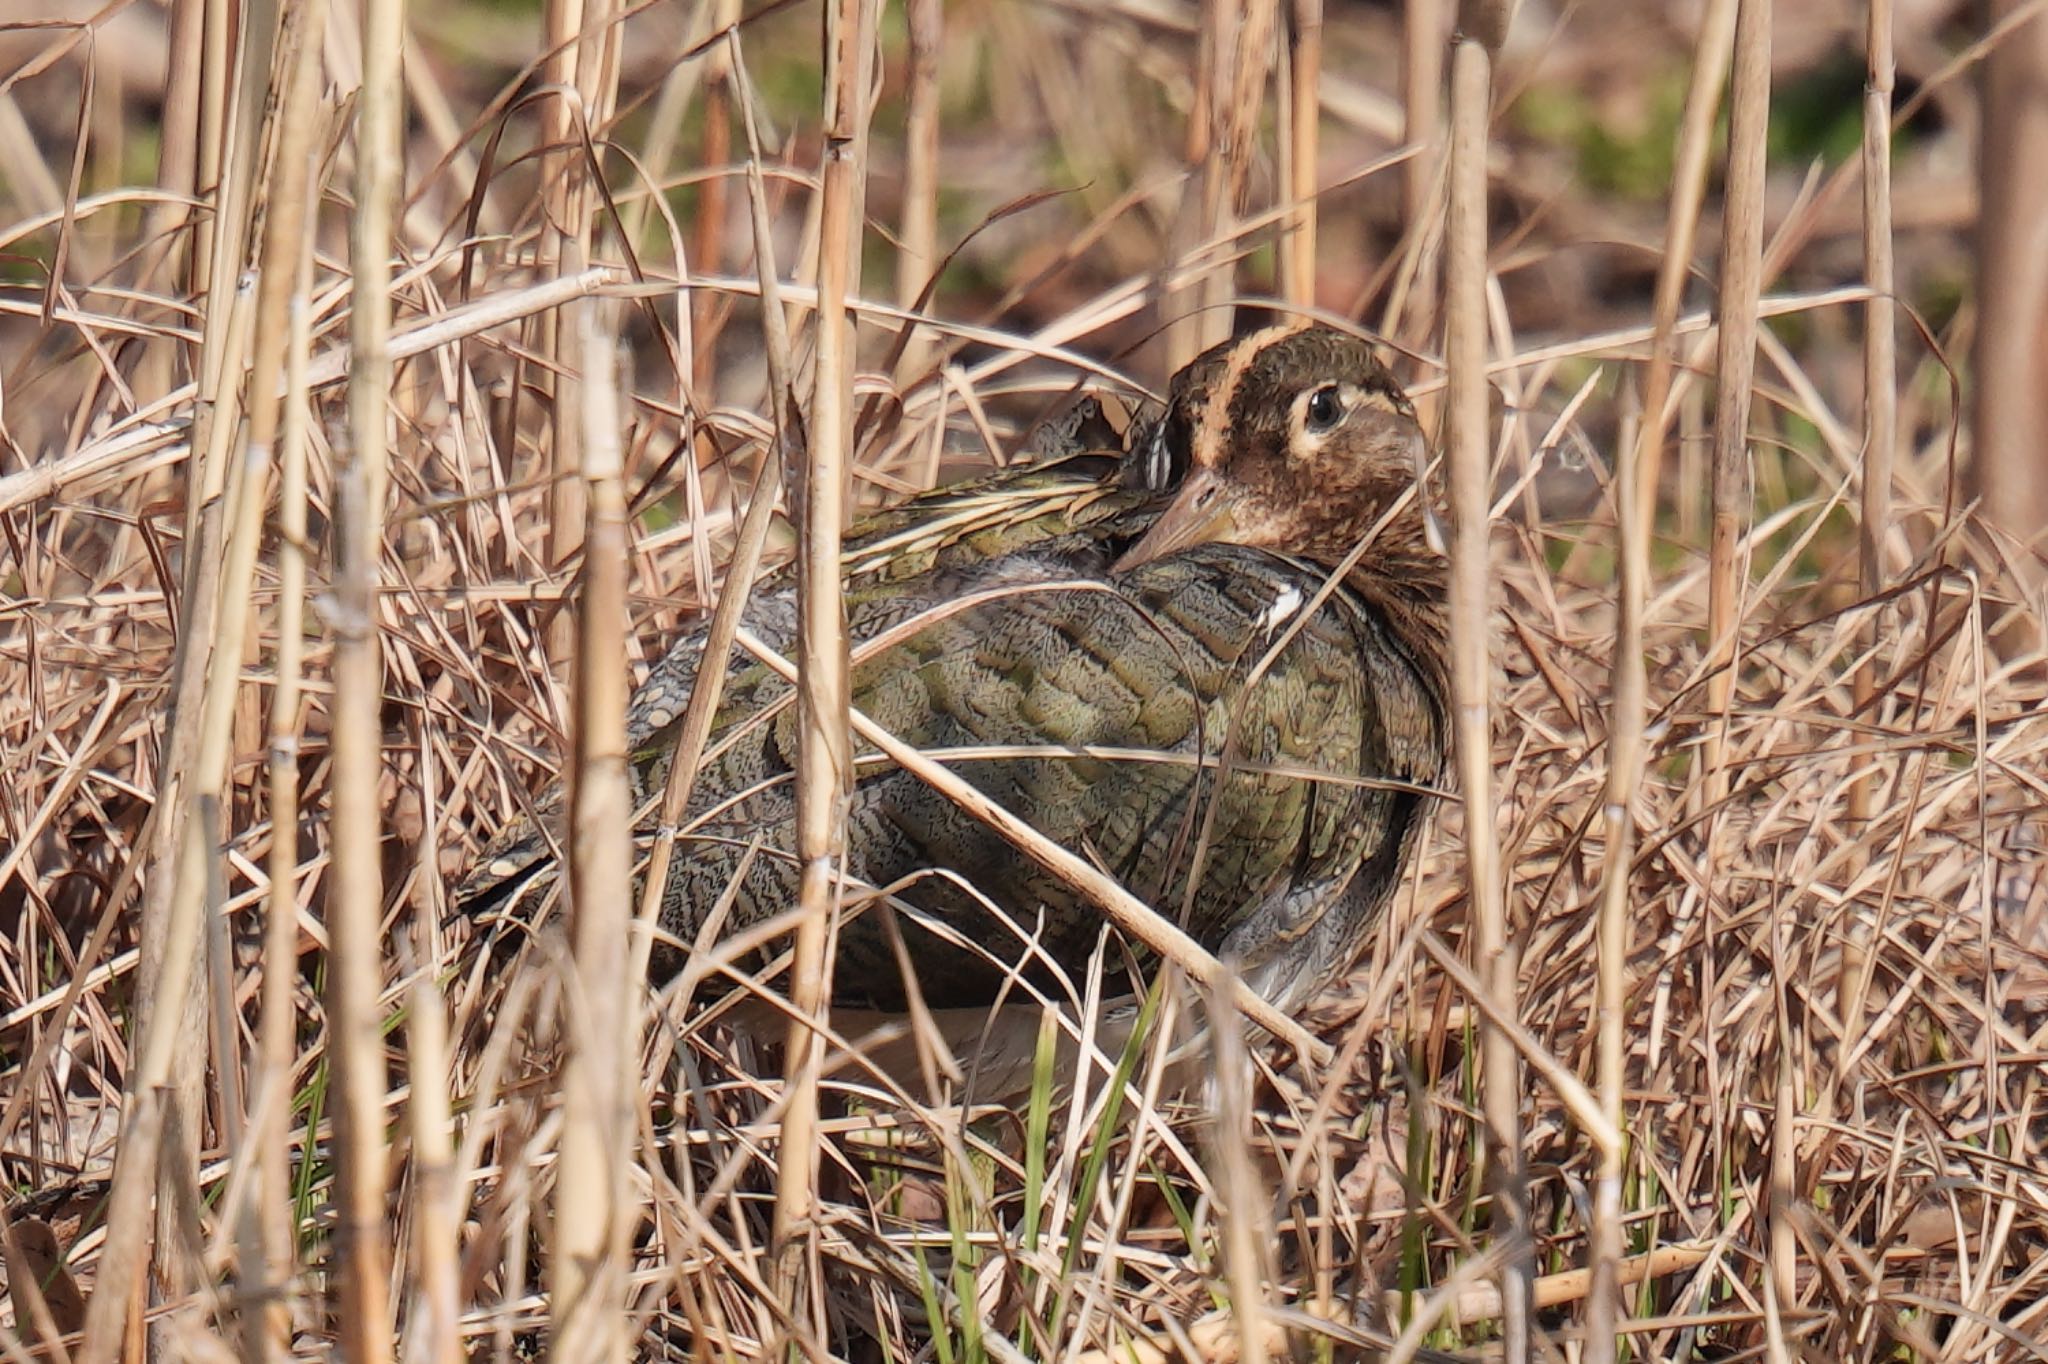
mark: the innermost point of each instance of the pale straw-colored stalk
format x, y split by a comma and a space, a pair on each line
824, 767
431, 1331
165, 1102
1742, 270
1246, 1199
919, 253
1735, 369
169, 994
566, 221
1300, 148
1880, 436
1422, 96
356, 882
264, 1237
593, 1218
1231, 56
1481, 26
277, 1029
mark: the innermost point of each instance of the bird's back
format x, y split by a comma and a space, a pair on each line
1080, 701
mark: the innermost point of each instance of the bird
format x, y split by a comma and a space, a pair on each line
1212, 664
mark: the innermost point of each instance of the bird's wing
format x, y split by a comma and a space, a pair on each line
1082, 704
952, 530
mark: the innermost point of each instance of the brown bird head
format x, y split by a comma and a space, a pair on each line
1297, 440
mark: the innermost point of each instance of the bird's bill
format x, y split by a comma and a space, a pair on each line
1200, 515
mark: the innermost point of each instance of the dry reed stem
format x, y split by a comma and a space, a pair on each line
431, 1332
1880, 426
918, 257
1232, 54
1465, 269
564, 237
1741, 279
171, 1001
287, 241
1301, 147
824, 765
1742, 270
356, 883
1422, 99
593, 1217
1245, 1200
278, 1026
170, 1008
267, 1321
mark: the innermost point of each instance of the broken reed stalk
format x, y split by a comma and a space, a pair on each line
1635, 501
1481, 27
1300, 148
824, 767
587, 1262
356, 883
1880, 435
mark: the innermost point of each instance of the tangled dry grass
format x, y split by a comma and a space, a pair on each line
1836, 961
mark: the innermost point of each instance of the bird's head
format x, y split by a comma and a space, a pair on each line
1295, 440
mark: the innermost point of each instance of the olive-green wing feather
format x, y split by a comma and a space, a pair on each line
1081, 703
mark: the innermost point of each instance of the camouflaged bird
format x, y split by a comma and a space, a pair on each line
1171, 687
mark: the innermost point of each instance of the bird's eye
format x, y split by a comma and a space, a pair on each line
1325, 409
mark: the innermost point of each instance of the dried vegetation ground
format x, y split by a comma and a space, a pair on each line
1835, 963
